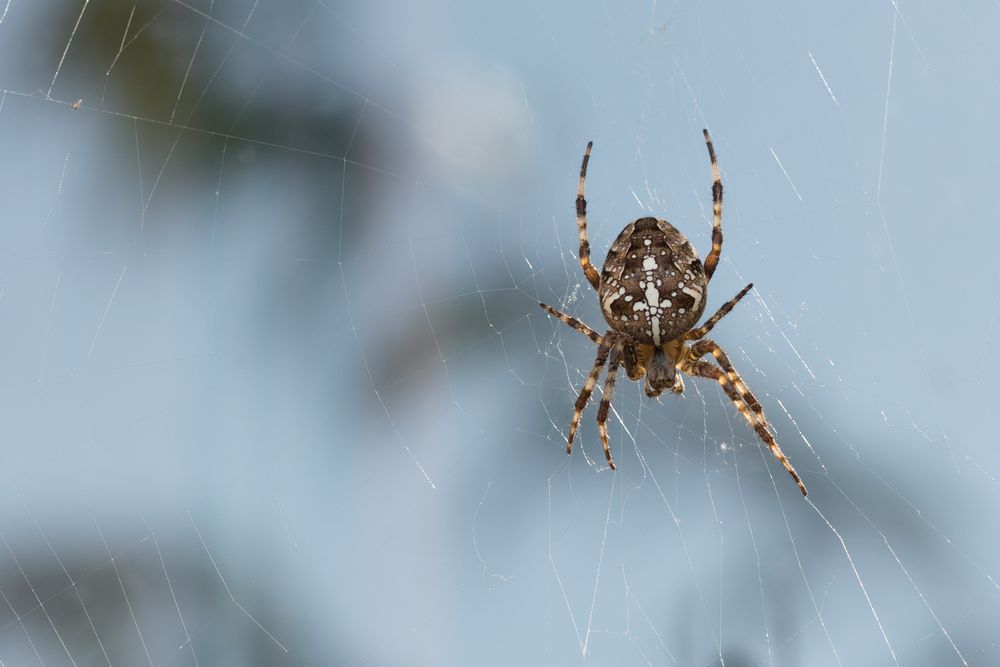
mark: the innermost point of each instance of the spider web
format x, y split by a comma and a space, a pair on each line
277, 390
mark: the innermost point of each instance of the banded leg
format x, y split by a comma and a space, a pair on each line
724, 310
588, 388
609, 388
703, 347
707, 370
713, 257
574, 323
630, 359
593, 277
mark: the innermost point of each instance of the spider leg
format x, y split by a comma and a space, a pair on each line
703, 330
712, 260
609, 388
703, 347
588, 388
574, 323
756, 421
630, 359
593, 277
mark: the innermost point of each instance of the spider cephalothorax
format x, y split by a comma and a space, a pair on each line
653, 289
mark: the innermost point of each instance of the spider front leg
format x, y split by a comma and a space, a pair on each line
703, 347
609, 388
740, 395
588, 388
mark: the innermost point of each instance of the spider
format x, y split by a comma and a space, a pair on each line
653, 290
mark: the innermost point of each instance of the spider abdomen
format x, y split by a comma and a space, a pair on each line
653, 285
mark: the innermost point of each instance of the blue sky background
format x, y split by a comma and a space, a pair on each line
276, 389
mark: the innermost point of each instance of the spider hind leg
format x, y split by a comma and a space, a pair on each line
593, 277
712, 260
